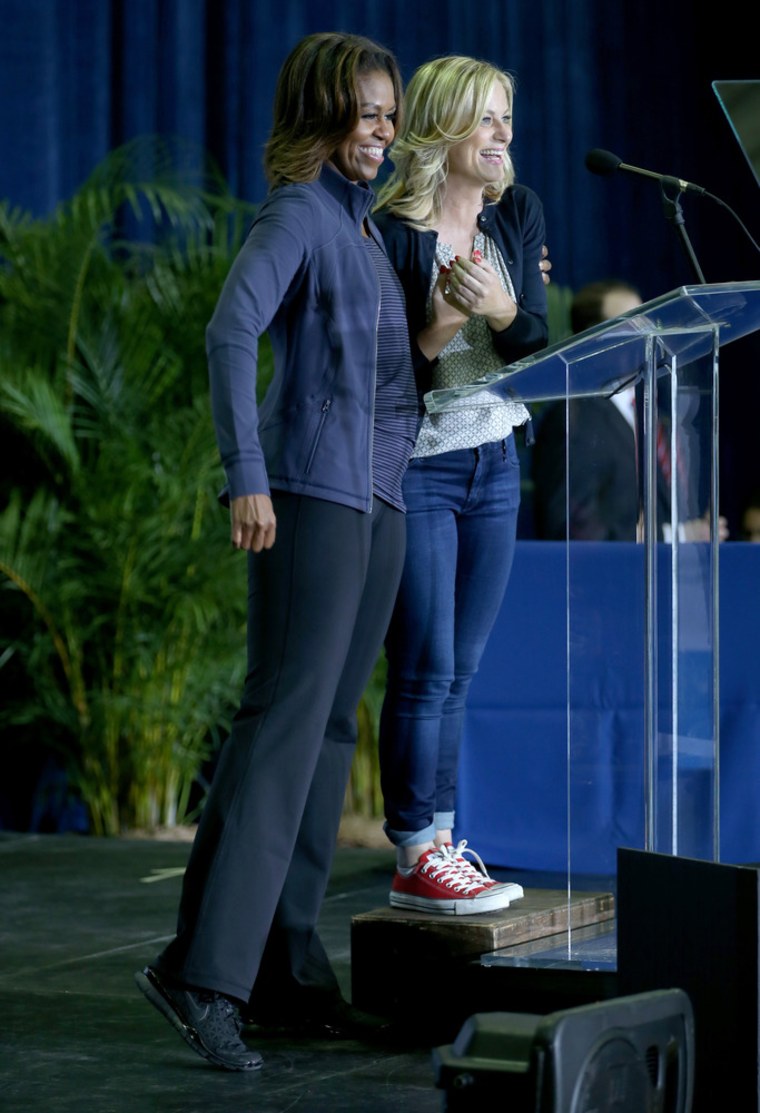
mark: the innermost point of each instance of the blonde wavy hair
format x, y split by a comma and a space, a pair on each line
444, 104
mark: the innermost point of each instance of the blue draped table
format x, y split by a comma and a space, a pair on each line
513, 801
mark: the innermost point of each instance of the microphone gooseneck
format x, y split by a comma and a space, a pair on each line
604, 162
599, 161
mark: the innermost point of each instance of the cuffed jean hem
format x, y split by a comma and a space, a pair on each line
410, 838
443, 821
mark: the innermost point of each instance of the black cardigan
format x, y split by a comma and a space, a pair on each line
516, 224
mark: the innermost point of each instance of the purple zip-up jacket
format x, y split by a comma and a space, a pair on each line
304, 276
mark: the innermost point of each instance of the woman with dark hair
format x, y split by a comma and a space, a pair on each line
314, 488
467, 243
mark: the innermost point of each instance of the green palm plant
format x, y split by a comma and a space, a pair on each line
112, 532
123, 604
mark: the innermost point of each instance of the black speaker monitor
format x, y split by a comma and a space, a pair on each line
628, 1055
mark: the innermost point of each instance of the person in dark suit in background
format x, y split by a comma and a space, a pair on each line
604, 465
603, 501
751, 517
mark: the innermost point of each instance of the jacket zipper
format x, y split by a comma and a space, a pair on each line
317, 436
372, 406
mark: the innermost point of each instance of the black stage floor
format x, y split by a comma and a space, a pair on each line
80, 915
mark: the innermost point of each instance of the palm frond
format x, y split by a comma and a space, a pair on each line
31, 402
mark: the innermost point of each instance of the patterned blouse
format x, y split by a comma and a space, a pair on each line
469, 355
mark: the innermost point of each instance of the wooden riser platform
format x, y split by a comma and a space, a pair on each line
406, 963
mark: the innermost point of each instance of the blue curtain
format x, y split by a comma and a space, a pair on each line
79, 77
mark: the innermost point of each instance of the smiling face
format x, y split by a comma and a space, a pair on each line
479, 159
361, 154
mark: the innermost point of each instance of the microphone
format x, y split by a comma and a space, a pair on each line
604, 162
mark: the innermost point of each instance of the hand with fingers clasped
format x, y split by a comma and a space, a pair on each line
252, 523
473, 287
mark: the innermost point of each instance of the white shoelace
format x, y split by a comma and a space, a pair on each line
445, 867
478, 871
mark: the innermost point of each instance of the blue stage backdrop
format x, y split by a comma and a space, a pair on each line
78, 77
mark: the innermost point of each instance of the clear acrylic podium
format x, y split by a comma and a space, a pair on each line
668, 349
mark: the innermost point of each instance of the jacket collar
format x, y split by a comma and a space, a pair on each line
356, 197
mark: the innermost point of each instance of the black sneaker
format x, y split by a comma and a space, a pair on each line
208, 1022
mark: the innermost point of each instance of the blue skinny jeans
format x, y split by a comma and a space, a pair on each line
461, 524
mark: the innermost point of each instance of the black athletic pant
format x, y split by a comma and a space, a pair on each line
319, 605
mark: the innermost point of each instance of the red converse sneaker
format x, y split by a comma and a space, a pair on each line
447, 883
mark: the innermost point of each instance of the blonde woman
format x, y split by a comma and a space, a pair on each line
466, 241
